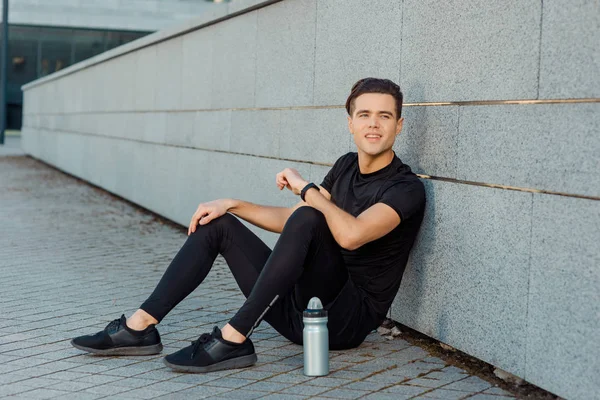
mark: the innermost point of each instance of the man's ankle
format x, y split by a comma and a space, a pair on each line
230, 334
140, 320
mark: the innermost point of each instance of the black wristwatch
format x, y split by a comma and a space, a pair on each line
306, 188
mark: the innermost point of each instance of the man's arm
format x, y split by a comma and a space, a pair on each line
348, 231
266, 217
352, 232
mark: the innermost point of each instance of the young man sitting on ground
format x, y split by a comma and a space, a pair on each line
347, 242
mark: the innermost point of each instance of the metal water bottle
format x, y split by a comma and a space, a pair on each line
316, 339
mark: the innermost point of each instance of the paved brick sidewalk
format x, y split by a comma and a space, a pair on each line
73, 258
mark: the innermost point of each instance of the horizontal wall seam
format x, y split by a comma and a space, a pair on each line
507, 187
504, 102
437, 104
423, 176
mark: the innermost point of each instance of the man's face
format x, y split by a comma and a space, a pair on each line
374, 124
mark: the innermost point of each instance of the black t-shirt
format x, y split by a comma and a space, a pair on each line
376, 268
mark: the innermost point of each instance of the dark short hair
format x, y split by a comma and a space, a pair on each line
375, 85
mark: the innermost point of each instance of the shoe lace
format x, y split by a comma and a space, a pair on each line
204, 338
113, 325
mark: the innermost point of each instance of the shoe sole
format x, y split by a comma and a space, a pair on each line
238, 362
123, 351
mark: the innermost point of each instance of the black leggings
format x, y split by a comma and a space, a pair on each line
278, 283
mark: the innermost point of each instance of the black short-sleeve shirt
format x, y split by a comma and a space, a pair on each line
377, 267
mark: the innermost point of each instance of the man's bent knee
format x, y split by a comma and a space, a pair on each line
220, 224
306, 217
225, 220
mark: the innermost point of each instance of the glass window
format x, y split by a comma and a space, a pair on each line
116, 39
113, 39
127, 37
22, 60
35, 52
22, 54
56, 50
87, 44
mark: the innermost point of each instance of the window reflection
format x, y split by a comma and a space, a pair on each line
55, 50
35, 52
87, 44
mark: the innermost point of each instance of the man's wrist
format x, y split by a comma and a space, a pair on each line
306, 188
231, 203
300, 186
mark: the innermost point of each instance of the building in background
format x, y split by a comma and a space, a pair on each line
47, 36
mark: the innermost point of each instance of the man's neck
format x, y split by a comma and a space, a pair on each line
368, 164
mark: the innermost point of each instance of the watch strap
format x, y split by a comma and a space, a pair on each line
306, 189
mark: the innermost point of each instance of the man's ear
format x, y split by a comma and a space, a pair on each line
399, 125
350, 126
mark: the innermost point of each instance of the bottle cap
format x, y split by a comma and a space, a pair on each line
314, 309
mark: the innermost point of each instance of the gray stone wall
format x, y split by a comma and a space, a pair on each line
136, 15
502, 120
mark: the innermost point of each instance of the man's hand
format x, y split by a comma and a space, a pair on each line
206, 212
291, 179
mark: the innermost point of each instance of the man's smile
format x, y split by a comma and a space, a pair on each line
373, 137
